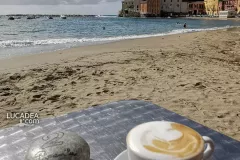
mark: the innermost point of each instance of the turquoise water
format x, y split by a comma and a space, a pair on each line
24, 36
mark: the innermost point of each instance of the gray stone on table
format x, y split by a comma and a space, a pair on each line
59, 146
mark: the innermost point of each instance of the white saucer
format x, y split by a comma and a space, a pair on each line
122, 156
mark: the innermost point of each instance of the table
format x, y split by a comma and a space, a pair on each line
105, 128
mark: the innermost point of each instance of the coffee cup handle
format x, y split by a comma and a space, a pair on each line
210, 147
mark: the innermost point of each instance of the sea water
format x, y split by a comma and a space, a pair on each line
23, 36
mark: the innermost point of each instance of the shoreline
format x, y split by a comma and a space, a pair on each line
113, 41
27, 60
212, 18
195, 75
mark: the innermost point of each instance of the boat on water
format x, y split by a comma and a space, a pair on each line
50, 17
11, 18
63, 17
106, 16
31, 17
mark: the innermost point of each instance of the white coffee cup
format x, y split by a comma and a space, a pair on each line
162, 140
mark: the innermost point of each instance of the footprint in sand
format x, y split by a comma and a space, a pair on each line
15, 76
199, 85
53, 98
36, 97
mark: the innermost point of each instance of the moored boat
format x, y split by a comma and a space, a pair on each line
63, 17
11, 18
31, 17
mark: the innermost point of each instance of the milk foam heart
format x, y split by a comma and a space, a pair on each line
164, 140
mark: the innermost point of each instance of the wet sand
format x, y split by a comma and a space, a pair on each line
196, 75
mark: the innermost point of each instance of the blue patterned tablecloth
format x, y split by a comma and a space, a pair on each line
105, 128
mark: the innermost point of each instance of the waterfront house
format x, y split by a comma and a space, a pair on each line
128, 9
173, 7
238, 7
127, 5
228, 8
196, 8
228, 5
211, 7
137, 5
150, 8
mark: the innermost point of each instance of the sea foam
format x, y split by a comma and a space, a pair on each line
25, 43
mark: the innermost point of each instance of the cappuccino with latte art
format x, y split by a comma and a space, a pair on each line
167, 141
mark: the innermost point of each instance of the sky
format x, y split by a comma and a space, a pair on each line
96, 7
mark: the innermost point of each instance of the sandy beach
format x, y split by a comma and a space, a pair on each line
196, 75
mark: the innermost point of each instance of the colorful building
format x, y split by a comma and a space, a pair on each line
149, 8
196, 8
211, 7
214, 6
174, 6
228, 5
127, 4
137, 5
128, 9
238, 6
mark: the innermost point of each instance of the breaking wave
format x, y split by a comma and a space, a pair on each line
25, 43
